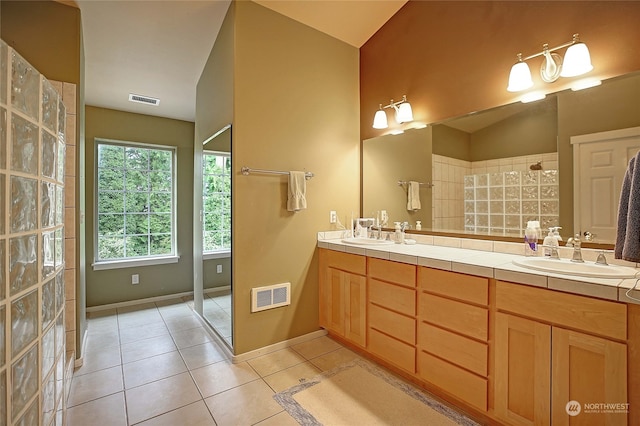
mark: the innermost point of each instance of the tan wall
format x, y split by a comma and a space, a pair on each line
296, 108
112, 286
533, 131
451, 142
452, 58
388, 159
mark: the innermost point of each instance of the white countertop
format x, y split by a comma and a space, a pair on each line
491, 265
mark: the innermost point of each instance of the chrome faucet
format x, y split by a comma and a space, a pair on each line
575, 243
379, 228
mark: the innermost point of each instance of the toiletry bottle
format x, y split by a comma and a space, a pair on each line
549, 242
398, 232
418, 225
530, 240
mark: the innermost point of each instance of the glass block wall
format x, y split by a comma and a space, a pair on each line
503, 202
32, 292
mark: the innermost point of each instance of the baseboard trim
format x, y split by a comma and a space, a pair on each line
278, 346
99, 308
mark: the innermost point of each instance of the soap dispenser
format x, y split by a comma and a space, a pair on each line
398, 232
550, 241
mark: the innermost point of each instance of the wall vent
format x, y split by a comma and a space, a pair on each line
269, 297
143, 99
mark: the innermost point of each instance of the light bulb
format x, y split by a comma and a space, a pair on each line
519, 77
380, 120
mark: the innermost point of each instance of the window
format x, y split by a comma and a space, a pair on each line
216, 202
135, 201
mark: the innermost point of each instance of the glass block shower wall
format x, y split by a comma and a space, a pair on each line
32, 292
503, 202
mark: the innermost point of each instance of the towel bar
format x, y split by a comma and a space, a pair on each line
404, 182
247, 170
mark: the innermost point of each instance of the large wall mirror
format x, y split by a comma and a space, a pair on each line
494, 170
216, 233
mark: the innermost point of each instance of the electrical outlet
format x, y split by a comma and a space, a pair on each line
333, 216
384, 216
135, 279
219, 269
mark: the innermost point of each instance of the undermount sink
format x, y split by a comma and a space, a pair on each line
367, 241
567, 267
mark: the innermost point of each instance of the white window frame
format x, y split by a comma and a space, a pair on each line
149, 260
220, 253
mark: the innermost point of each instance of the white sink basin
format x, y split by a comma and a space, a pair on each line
567, 267
367, 241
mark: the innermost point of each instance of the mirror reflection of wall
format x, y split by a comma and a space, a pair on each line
216, 237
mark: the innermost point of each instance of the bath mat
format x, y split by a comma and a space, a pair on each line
360, 393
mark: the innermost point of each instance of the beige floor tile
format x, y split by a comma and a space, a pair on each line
170, 303
174, 311
179, 323
291, 376
99, 359
196, 414
109, 409
102, 339
191, 337
102, 323
276, 361
136, 309
280, 419
162, 396
95, 385
139, 319
221, 376
244, 405
333, 359
135, 334
316, 347
201, 355
154, 346
151, 369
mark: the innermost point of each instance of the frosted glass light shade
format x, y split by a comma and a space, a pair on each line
520, 77
577, 61
404, 114
380, 120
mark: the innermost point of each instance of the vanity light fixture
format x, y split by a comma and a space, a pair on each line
404, 114
577, 61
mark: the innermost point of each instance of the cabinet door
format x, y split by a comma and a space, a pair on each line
589, 370
355, 304
332, 306
522, 371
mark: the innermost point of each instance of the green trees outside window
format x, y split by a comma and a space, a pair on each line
216, 201
135, 201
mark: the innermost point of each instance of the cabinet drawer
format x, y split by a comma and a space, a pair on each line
395, 297
392, 323
465, 319
398, 353
458, 382
347, 262
398, 273
454, 348
455, 285
579, 312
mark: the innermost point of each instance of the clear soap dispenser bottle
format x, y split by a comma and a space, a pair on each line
531, 239
549, 242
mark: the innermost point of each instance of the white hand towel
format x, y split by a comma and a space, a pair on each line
628, 233
413, 196
296, 199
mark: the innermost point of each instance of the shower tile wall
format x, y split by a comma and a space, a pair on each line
450, 212
32, 250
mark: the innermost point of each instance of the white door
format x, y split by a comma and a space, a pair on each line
599, 163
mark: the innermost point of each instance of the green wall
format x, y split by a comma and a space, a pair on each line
450, 142
114, 285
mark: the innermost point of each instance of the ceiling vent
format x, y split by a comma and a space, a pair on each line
144, 99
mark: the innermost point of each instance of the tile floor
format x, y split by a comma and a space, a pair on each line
155, 364
216, 308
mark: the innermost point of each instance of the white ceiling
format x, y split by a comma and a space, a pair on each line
158, 48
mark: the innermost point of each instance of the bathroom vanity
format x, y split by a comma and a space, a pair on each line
486, 335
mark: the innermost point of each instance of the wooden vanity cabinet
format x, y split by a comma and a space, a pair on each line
392, 312
343, 295
453, 333
567, 349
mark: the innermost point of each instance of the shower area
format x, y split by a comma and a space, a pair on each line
35, 365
